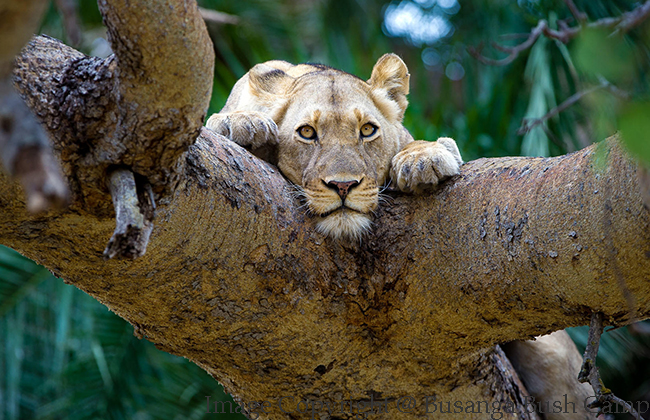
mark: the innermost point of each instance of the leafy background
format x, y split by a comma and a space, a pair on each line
65, 356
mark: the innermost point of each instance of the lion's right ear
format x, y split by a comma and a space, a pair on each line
265, 79
391, 75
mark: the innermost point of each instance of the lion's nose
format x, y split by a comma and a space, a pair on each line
342, 188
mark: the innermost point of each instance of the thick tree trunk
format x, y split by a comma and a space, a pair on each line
237, 279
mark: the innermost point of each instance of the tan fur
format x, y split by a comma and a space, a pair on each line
549, 368
274, 99
422, 163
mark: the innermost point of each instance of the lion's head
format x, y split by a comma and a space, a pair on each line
337, 135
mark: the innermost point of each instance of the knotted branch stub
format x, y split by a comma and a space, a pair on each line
134, 212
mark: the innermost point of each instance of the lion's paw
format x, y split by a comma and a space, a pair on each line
248, 129
422, 164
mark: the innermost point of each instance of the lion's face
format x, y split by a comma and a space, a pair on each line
337, 135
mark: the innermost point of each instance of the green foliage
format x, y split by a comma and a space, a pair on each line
634, 123
542, 98
595, 44
614, 59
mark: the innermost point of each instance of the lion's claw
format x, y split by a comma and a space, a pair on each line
248, 129
421, 164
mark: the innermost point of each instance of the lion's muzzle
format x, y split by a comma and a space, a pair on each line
342, 188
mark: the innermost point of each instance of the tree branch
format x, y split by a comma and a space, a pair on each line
139, 109
161, 101
633, 18
589, 372
577, 14
70, 18
530, 123
238, 280
565, 33
134, 215
513, 52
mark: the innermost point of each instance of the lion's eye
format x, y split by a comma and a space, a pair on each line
368, 130
307, 132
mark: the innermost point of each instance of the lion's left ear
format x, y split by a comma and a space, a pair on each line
391, 75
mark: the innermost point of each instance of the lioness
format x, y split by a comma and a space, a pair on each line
336, 136
340, 138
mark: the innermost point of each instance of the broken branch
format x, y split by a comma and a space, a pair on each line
134, 212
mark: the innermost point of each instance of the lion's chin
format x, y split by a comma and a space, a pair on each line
345, 224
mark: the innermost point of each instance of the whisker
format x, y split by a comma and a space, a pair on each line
385, 186
383, 198
295, 190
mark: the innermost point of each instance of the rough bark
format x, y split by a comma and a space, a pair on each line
237, 280
140, 108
